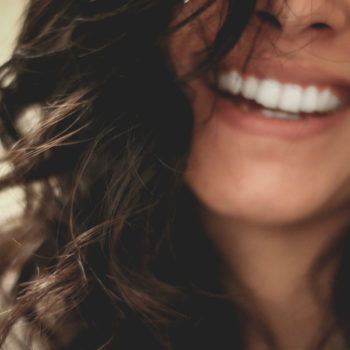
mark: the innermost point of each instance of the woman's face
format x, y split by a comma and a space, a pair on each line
247, 160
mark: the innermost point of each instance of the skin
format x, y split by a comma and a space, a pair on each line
273, 205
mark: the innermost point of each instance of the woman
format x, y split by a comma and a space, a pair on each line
187, 182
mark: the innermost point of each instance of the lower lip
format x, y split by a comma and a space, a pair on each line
254, 122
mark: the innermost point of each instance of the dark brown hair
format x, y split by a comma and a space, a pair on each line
109, 252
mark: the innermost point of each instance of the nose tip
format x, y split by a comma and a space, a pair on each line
297, 16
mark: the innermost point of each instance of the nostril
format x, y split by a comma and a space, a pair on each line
267, 17
320, 25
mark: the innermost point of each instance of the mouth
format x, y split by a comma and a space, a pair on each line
274, 99
288, 110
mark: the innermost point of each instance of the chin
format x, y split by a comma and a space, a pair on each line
267, 205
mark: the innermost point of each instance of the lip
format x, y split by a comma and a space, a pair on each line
253, 122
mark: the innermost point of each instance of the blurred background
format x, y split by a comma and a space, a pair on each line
11, 17
10, 21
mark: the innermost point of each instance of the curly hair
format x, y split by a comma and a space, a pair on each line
109, 250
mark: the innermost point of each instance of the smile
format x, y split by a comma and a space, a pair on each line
280, 100
297, 107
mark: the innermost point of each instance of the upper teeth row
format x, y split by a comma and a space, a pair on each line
275, 95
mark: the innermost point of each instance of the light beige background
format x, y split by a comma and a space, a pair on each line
11, 200
10, 14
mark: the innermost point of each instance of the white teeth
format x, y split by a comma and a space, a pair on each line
334, 102
237, 82
290, 98
232, 80
250, 88
269, 93
310, 100
323, 99
327, 101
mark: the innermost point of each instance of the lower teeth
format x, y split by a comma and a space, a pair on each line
270, 113
277, 114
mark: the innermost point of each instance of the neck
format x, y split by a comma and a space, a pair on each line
284, 273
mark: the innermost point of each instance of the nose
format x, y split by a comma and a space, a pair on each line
294, 17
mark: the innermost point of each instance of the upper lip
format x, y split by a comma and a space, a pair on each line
291, 73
